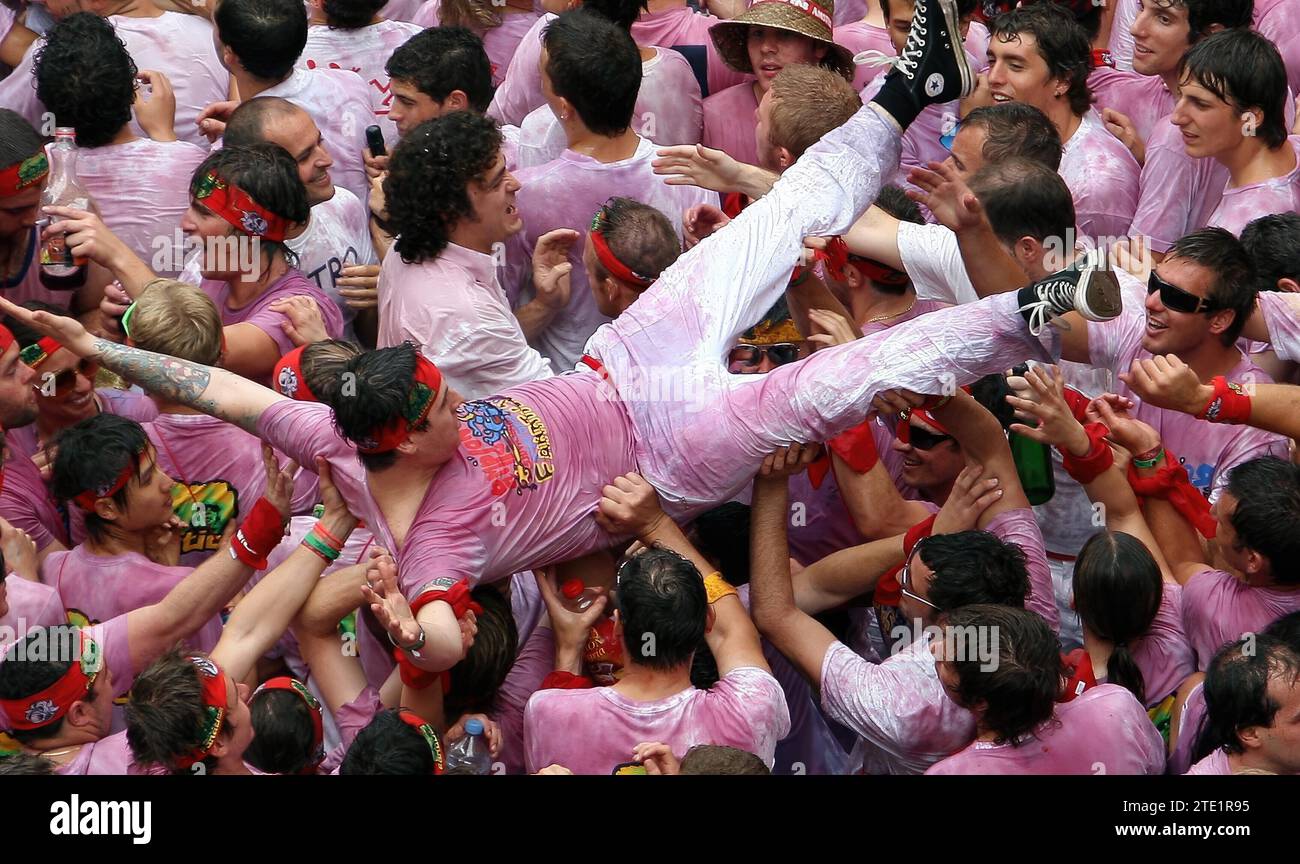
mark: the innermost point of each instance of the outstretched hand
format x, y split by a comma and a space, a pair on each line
1039, 396
68, 330
697, 165
947, 196
1168, 382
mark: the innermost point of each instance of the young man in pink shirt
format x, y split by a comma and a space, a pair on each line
1233, 110
1004, 665
768, 37
532, 458
604, 156
1039, 55
1252, 700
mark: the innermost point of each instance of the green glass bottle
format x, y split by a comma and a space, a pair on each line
1034, 465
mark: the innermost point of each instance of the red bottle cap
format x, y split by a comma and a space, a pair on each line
572, 588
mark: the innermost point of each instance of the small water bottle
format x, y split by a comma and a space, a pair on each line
577, 596
471, 751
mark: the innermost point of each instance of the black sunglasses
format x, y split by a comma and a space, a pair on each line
1175, 298
752, 355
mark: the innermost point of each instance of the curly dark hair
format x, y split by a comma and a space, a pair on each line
85, 76
427, 188
351, 14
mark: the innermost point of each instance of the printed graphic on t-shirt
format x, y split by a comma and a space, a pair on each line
508, 442
205, 508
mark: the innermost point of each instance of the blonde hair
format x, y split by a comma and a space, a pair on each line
808, 102
177, 319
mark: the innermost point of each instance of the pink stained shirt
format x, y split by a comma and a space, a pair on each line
499, 42
259, 313
1021, 528
1163, 653
1121, 37
103, 587
26, 502
730, 121
687, 31
339, 103
862, 36
846, 12
899, 707
1207, 450
1103, 731
25, 283
534, 662
1241, 205
107, 757
1177, 193
1218, 608
1281, 312
453, 308
1144, 99
1277, 20
178, 45
144, 215
668, 112
31, 604
337, 236
364, 51
1214, 764
1103, 178
566, 193
401, 10
593, 731
219, 466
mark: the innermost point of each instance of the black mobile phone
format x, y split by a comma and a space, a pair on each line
375, 141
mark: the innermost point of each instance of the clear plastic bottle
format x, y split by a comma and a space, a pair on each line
471, 751
577, 596
60, 271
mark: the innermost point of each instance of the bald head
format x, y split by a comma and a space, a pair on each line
270, 119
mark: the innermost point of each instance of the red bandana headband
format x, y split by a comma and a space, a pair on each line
35, 355
236, 207
419, 724
608, 259
43, 708
879, 273
424, 389
293, 685
214, 710
6, 338
28, 172
288, 378
904, 431
86, 500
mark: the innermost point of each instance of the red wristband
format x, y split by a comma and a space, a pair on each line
261, 531
1102, 57
1172, 484
1229, 404
1099, 458
561, 680
413, 676
856, 446
454, 592
918, 532
334, 543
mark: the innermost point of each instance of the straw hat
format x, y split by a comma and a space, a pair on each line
811, 18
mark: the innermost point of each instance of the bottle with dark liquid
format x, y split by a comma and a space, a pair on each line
60, 270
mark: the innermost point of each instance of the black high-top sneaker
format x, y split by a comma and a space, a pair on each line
1085, 288
932, 67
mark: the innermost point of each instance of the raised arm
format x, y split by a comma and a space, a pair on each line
213, 391
982, 442
1168, 382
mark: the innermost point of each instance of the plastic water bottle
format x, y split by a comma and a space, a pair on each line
577, 596
471, 751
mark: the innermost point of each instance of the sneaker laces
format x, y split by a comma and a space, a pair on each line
908, 61
1051, 296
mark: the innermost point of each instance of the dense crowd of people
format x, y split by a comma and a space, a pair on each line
634, 387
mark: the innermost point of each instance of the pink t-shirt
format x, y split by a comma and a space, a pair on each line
146, 216
687, 31
1103, 178
365, 51
1103, 731
566, 193
668, 111
1207, 450
1215, 763
25, 284
218, 466
1189, 728
1277, 20
1163, 654
179, 46
1144, 99
26, 502
847, 11
259, 313
401, 10
1177, 193
534, 662
1282, 315
593, 731
107, 757
338, 101
1021, 528
103, 587
862, 36
1121, 37
730, 122
918, 309
31, 604
1218, 608
898, 706
1242, 204
499, 42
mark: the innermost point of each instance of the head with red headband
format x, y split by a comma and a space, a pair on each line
628, 246
107, 468
18, 405
23, 170
397, 742
309, 372
393, 404
64, 383
184, 712
244, 202
55, 688
288, 728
